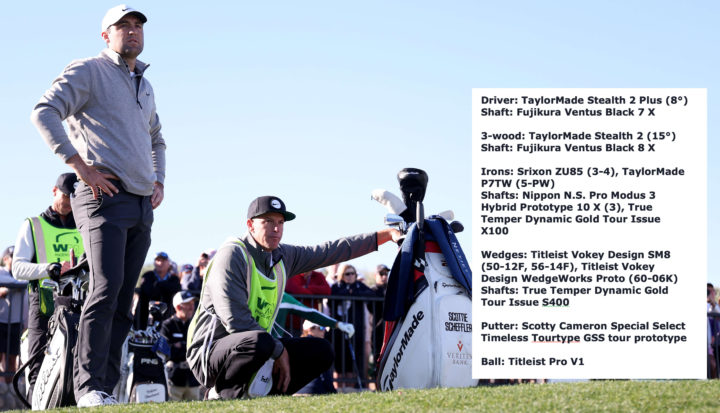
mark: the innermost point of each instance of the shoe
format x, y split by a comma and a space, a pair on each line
262, 382
92, 398
212, 394
95, 398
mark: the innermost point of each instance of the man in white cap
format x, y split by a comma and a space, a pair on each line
182, 385
114, 145
229, 338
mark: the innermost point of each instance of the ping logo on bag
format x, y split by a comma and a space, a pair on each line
150, 361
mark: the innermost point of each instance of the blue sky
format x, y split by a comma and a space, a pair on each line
322, 102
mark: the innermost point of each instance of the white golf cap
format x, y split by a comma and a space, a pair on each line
307, 325
118, 12
182, 297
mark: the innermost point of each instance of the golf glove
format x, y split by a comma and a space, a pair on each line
53, 271
346, 328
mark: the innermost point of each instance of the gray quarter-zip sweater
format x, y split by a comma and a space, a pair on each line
111, 119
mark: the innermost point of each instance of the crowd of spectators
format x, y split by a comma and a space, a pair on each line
349, 354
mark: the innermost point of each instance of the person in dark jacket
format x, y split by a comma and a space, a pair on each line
381, 276
349, 311
156, 285
193, 281
323, 384
182, 384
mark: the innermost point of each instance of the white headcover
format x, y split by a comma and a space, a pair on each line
391, 201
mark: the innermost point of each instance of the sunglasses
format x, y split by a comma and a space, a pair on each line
349, 273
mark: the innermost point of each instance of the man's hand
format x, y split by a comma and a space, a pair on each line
281, 372
158, 195
98, 182
388, 234
4, 292
65, 266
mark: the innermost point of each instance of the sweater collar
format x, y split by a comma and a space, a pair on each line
261, 256
53, 218
115, 57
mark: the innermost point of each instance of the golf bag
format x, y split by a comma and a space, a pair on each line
428, 304
142, 369
54, 385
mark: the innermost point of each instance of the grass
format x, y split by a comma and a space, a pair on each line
606, 396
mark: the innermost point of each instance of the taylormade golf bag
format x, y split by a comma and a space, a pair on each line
54, 384
428, 305
142, 369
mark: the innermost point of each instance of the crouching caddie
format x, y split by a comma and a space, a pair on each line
230, 334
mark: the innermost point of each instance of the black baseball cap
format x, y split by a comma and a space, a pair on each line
162, 255
66, 183
269, 203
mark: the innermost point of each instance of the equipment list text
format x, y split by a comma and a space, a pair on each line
589, 233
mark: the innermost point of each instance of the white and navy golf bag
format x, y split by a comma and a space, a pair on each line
142, 369
54, 385
428, 305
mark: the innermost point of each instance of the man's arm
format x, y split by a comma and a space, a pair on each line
23, 268
388, 234
302, 259
67, 95
158, 158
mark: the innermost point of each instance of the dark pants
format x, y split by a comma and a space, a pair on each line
37, 339
235, 358
116, 237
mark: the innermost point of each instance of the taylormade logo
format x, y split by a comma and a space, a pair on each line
401, 351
